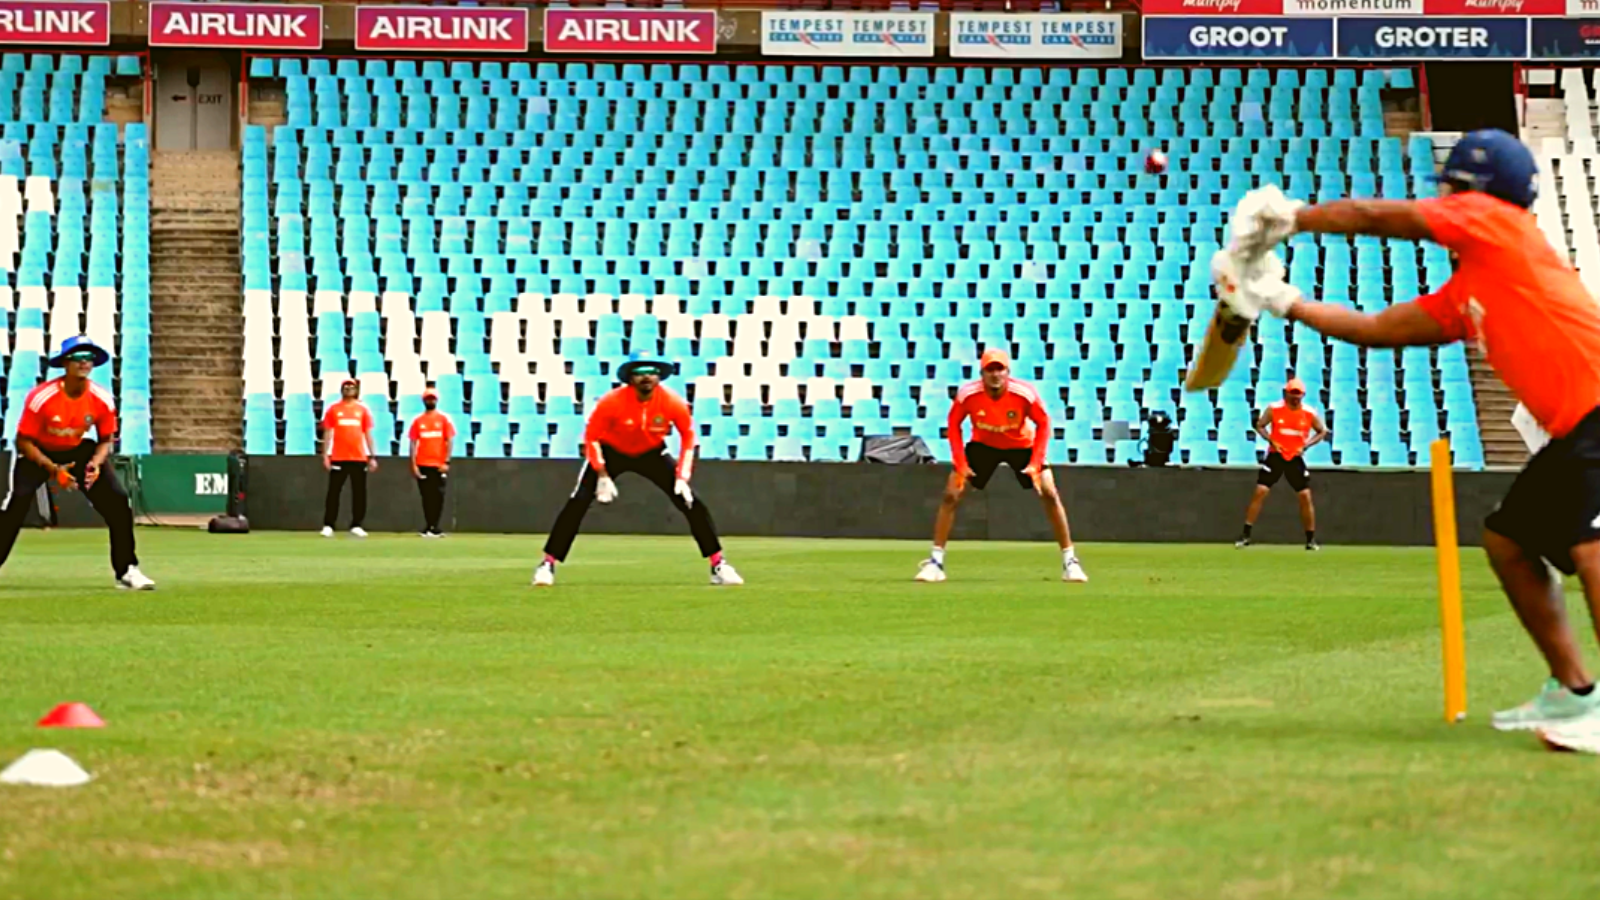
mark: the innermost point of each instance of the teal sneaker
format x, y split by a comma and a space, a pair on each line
1553, 706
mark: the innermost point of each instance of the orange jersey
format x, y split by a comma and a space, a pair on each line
58, 422
432, 433
624, 423
346, 424
1290, 428
1523, 304
1018, 419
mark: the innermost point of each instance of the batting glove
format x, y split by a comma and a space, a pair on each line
1263, 219
681, 488
1252, 287
606, 490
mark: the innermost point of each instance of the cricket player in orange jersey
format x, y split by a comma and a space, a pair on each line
1290, 428
627, 432
431, 436
52, 446
1009, 425
347, 454
1539, 328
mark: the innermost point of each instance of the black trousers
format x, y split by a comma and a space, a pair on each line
432, 486
658, 467
106, 496
356, 472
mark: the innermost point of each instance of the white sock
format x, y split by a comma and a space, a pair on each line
1068, 555
937, 556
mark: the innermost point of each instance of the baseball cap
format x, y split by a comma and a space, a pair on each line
349, 382
994, 356
1493, 162
1295, 386
428, 392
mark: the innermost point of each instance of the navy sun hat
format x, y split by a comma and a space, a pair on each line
79, 343
639, 359
1495, 163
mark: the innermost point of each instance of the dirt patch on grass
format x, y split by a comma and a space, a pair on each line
208, 854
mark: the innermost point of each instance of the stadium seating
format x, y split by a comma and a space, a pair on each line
823, 250
74, 230
1566, 202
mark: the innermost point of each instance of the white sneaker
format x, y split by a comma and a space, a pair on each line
1072, 571
544, 576
726, 574
135, 580
930, 572
1580, 735
358, 532
326, 531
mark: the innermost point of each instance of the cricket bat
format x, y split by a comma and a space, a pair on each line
1226, 333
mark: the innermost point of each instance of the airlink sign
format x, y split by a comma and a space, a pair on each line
239, 26
56, 24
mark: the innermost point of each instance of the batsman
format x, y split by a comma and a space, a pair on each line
1538, 327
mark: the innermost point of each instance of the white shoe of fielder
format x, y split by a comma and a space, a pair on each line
135, 580
930, 572
358, 531
326, 531
726, 574
544, 575
1072, 571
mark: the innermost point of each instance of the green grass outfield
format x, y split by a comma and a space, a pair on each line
399, 718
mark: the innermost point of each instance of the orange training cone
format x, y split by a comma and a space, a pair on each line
72, 715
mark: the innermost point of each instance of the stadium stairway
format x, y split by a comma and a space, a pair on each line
197, 341
1502, 445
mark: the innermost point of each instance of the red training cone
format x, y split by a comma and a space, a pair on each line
72, 715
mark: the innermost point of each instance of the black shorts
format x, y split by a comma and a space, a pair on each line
1277, 467
1554, 504
984, 459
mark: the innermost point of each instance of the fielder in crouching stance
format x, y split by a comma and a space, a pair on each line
51, 446
1009, 425
627, 432
1539, 328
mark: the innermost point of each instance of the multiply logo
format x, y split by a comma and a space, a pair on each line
1213, 5
1504, 6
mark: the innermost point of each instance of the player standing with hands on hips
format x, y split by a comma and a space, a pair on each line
1539, 328
347, 454
51, 445
627, 432
1290, 428
431, 435
1009, 425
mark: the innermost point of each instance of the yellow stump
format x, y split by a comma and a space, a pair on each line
1453, 637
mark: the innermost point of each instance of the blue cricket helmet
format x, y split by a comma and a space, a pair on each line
1495, 163
640, 358
79, 343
